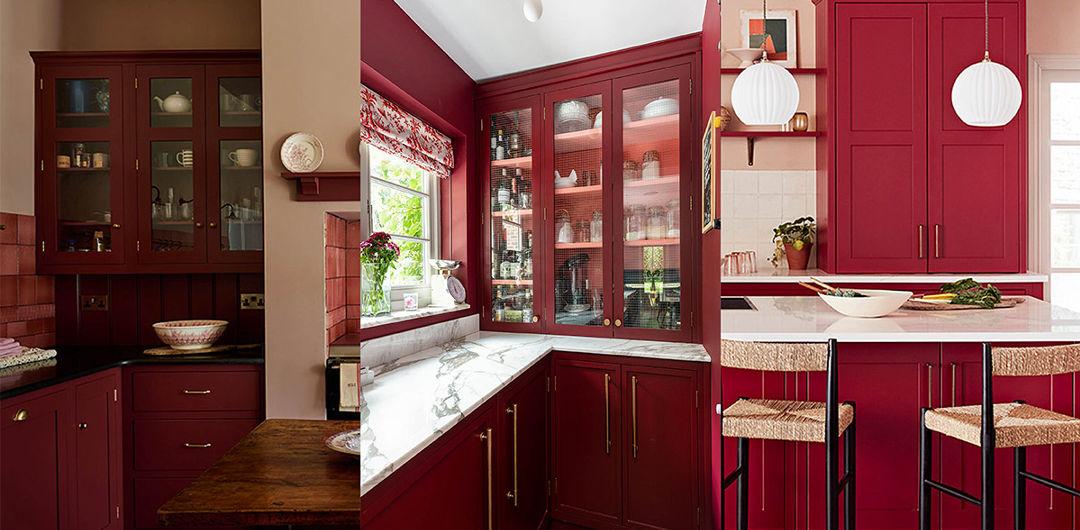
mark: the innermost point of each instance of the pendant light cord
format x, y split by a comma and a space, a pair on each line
986, 30
764, 31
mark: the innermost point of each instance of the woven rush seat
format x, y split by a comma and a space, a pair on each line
1015, 425
776, 419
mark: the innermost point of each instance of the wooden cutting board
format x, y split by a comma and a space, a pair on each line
918, 305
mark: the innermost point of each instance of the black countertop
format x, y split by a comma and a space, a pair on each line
73, 362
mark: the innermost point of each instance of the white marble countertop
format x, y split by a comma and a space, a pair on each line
773, 275
807, 318
417, 398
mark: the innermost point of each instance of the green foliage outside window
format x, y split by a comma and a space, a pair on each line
400, 213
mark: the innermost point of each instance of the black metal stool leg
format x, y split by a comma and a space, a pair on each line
849, 472
743, 486
987, 485
1019, 489
925, 469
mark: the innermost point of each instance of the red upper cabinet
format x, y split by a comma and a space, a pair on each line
880, 128
976, 196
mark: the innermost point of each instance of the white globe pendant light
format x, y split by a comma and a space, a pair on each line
986, 94
533, 9
765, 93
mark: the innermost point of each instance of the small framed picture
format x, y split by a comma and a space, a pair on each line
710, 161
412, 301
776, 33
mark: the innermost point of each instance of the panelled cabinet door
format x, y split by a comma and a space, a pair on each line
80, 192
34, 462
513, 219
663, 457
588, 446
97, 463
523, 455
234, 188
880, 126
170, 114
975, 174
650, 217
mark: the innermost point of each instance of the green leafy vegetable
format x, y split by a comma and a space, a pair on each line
960, 285
969, 292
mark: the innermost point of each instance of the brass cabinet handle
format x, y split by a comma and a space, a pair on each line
116, 226
922, 240
198, 225
535, 319
486, 437
952, 366
937, 240
82, 426
607, 414
929, 385
607, 321
21, 415
512, 495
198, 446
633, 412
618, 323
213, 224
189, 392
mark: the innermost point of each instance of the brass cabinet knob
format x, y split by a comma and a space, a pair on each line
607, 321
198, 225
83, 426
535, 319
116, 226
618, 323
213, 224
21, 415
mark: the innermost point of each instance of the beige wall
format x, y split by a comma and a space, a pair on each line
159, 24
1053, 26
311, 82
24, 26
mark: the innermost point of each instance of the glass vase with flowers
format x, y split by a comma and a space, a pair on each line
378, 255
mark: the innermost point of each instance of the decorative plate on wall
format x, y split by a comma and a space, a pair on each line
302, 153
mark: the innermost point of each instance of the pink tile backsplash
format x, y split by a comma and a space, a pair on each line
342, 277
27, 310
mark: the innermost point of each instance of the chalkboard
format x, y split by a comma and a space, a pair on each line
710, 162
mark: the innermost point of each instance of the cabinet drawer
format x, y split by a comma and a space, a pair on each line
185, 445
197, 391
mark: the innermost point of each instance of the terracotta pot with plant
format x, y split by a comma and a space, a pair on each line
794, 241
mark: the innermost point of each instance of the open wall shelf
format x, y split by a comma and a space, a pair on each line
752, 136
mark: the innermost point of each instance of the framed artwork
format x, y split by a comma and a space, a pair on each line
710, 173
777, 34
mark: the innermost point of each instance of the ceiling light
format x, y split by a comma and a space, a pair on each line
986, 94
533, 9
765, 93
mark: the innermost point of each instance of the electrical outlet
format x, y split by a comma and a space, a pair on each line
252, 301
94, 302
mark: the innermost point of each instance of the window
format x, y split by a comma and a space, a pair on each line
1058, 161
403, 202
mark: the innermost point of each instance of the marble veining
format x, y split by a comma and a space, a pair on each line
400, 316
419, 396
389, 349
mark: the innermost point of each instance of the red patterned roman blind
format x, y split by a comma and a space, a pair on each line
386, 126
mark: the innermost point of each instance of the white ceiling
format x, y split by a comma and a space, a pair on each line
491, 38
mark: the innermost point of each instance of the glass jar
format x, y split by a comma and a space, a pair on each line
650, 165
631, 170
656, 227
673, 218
635, 229
596, 228
564, 232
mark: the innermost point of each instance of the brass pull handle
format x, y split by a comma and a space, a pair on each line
607, 321
197, 446
607, 414
200, 392
618, 323
486, 437
116, 226
198, 225
929, 385
633, 412
922, 241
952, 366
535, 319
937, 240
512, 495
213, 224
82, 426
21, 415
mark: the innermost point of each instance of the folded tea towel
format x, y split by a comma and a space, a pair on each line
6, 341
28, 355
11, 348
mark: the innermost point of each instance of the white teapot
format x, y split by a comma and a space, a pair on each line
174, 103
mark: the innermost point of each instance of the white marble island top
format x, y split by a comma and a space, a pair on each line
417, 398
807, 318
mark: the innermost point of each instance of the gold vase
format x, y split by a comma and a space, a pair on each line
800, 122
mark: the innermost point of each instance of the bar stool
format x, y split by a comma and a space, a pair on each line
792, 421
992, 426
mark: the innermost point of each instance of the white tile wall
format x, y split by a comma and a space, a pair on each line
753, 202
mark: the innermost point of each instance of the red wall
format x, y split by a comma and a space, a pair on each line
26, 299
404, 65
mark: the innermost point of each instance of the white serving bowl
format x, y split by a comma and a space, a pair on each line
876, 303
660, 107
746, 55
190, 334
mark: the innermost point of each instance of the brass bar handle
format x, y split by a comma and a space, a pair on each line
195, 392
512, 495
21, 415
607, 414
952, 366
198, 446
922, 240
929, 385
633, 413
937, 240
486, 437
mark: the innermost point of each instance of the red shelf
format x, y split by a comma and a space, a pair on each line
771, 134
512, 213
579, 189
794, 71
668, 242
583, 244
634, 132
511, 282
672, 180
325, 185
522, 162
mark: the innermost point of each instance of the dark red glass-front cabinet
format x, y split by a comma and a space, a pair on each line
523, 451
512, 228
587, 443
880, 128
663, 463
976, 202
80, 188
960, 463
98, 462
34, 461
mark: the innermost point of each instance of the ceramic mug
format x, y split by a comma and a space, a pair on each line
185, 157
244, 157
63, 161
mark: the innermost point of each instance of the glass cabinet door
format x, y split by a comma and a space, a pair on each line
239, 102
172, 208
240, 214
511, 220
83, 103
651, 201
577, 216
171, 102
84, 197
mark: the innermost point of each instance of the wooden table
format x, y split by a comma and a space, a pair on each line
279, 474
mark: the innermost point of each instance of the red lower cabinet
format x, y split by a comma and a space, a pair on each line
523, 451
98, 453
34, 460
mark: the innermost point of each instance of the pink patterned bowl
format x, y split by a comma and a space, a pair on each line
190, 334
